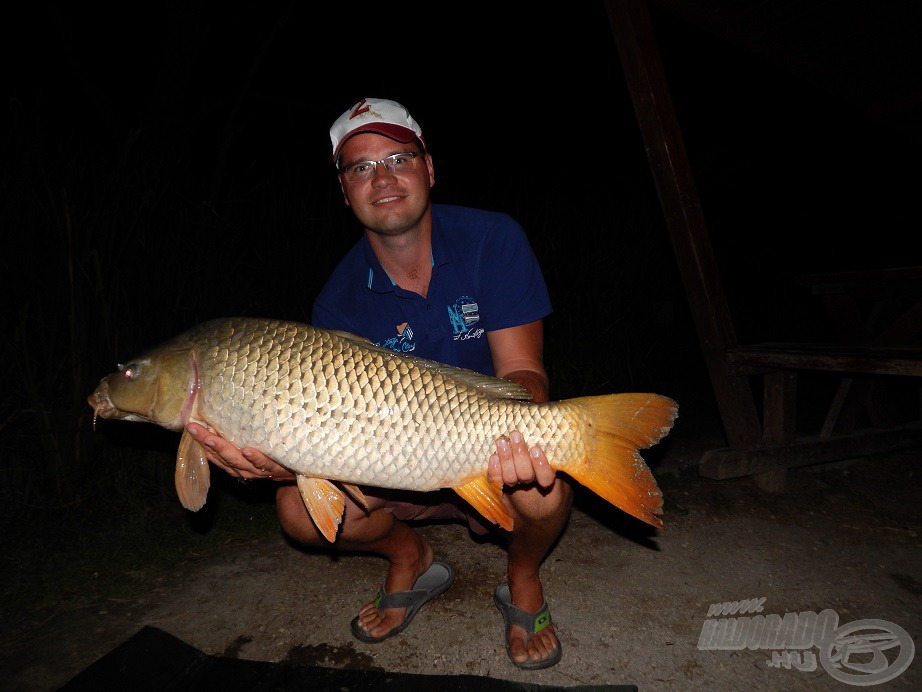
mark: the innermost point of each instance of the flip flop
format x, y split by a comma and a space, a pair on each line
431, 583
532, 623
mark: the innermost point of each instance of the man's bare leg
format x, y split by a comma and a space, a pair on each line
408, 553
539, 516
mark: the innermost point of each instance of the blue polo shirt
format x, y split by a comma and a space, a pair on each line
484, 277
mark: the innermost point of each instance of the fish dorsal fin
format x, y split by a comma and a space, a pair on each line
491, 386
325, 503
487, 498
193, 476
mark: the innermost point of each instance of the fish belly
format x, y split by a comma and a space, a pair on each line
329, 408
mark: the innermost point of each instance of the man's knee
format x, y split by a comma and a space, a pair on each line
293, 516
355, 521
539, 504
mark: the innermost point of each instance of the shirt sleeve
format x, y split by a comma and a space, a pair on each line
512, 288
323, 318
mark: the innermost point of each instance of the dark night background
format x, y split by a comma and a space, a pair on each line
170, 163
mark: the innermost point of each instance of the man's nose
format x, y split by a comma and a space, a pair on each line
383, 174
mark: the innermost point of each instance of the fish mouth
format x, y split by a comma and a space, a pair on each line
101, 405
99, 401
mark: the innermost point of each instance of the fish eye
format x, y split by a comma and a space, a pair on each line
130, 371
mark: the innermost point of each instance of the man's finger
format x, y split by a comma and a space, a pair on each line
524, 471
544, 472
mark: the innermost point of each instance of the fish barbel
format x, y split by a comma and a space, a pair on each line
341, 412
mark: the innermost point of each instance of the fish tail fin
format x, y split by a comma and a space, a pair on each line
487, 498
620, 425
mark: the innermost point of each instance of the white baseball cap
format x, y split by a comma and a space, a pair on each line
383, 116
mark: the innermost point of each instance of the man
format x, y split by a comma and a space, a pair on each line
455, 285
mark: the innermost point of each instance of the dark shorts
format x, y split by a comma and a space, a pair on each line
440, 505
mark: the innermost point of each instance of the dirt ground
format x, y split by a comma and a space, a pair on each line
631, 605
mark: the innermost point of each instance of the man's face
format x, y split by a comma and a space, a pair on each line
389, 202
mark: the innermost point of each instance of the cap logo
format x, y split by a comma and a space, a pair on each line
360, 109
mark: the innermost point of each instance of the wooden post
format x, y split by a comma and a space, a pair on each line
630, 23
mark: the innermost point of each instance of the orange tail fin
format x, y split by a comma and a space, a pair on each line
621, 425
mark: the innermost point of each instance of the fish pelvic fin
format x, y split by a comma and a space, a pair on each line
487, 498
620, 425
325, 503
356, 493
193, 475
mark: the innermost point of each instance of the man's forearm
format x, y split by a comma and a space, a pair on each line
535, 382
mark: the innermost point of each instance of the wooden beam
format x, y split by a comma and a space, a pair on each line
870, 360
643, 70
721, 464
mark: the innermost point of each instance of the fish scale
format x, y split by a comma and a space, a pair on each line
334, 407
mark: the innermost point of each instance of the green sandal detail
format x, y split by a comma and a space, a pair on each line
532, 623
433, 582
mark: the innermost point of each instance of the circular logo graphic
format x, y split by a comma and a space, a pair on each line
855, 653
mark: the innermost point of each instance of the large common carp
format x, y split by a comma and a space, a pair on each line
339, 411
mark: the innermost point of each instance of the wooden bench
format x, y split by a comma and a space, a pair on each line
876, 316
782, 445
763, 441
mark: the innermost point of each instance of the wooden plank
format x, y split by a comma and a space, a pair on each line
864, 283
780, 407
721, 464
872, 360
779, 422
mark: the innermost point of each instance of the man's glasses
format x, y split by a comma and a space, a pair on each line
365, 170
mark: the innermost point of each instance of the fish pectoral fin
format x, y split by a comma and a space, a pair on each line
487, 498
193, 475
325, 503
356, 493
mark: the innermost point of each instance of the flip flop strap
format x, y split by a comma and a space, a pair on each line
532, 623
438, 577
401, 599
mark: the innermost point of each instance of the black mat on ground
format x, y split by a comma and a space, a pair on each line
156, 660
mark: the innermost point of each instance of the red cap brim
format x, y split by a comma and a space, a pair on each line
395, 132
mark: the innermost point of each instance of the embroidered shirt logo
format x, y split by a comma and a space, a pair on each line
403, 342
464, 314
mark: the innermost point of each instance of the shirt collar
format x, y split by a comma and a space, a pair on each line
378, 280
439, 251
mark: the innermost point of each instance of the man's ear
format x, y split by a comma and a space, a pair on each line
431, 167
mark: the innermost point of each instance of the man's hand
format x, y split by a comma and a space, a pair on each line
515, 464
246, 463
